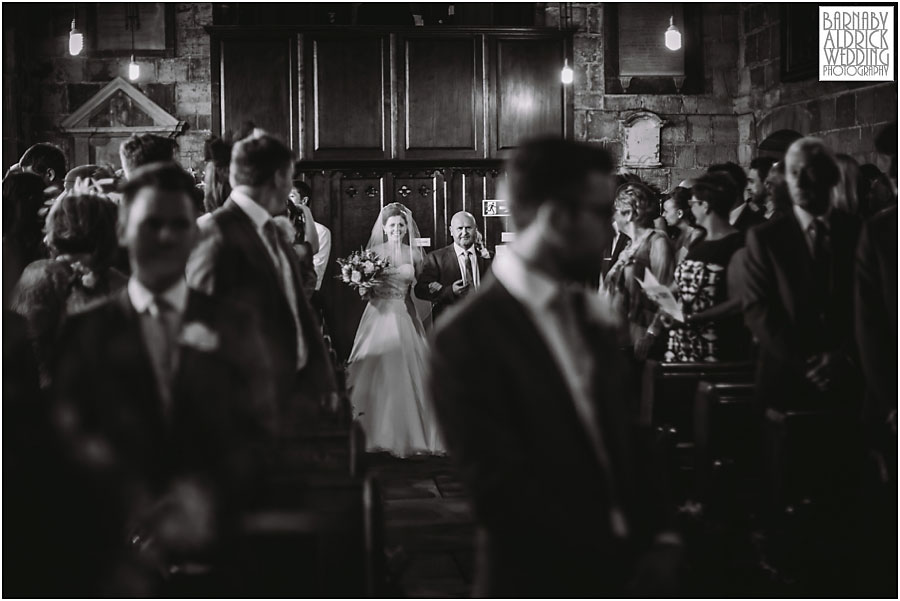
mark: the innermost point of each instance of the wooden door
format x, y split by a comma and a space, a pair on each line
527, 96
255, 79
440, 99
348, 99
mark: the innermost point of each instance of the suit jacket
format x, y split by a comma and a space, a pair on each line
442, 266
876, 315
610, 257
788, 312
538, 489
748, 218
223, 412
231, 262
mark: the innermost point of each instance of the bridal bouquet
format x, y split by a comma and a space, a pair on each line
361, 269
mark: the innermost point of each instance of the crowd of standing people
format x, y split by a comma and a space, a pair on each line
165, 344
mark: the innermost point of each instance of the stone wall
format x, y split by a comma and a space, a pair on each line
54, 84
846, 115
700, 129
743, 99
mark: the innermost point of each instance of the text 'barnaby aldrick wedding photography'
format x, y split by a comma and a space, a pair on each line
856, 43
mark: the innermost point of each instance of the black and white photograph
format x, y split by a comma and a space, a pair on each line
449, 300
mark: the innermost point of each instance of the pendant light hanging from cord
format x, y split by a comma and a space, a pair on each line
567, 75
133, 21
673, 36
76, 40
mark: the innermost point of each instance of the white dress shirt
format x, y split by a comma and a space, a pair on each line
160, 333
260, 217
538, 293
320, 259
461, 258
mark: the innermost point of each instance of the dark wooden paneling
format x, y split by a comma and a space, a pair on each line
348, 96
441, 97
424, 197
257, 83
359, 205
529, 95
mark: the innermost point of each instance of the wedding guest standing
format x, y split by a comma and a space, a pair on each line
541, 438
650, 250
680, 219
47, 161
165, 391
797, 289
744, 214
452, 272
23, 198
244, 257
143, 149
713, 328
81, 236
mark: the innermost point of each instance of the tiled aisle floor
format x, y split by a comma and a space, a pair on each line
429, 526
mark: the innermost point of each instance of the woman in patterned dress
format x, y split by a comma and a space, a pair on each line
713, 329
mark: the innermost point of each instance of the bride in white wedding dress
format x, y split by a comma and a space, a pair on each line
387, 363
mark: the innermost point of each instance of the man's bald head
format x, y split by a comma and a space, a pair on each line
463, 229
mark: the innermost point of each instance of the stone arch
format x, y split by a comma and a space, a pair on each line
777, 142
786, 118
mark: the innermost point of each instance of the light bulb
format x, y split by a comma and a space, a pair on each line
567, 75
76, 40
134, 69
673, 36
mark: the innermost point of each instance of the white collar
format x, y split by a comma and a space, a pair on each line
258, 215
460, 250
528, 286
806, 218
141, 297
735, 213
535, 290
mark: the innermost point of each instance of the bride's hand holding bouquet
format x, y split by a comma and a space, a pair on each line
361, 269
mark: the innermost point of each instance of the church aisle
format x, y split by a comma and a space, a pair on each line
429, 526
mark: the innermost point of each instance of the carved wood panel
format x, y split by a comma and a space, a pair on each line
257, 83
348, 96
529, 95
440, 97
425, 198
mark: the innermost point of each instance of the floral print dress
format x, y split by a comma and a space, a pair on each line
702, 284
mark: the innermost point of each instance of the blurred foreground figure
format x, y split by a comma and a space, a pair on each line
163, 400
542, 437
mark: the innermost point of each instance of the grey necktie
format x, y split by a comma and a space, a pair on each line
470, 276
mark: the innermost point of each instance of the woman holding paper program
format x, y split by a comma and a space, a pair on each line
651, 251
712, 329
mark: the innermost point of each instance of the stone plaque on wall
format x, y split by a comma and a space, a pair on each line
641, 135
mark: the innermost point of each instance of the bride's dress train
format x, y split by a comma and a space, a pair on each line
386, 372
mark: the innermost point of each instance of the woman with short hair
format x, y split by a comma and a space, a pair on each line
81, 236
650, 250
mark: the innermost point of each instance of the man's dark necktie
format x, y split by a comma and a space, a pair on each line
470, 277
821, 256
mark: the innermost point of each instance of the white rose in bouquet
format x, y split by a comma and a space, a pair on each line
368, 268
356, 277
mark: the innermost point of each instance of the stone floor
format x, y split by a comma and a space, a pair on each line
428, 526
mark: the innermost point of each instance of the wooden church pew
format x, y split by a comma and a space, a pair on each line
726, 443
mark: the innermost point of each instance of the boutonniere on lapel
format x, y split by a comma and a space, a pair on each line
482, 251
199, 336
